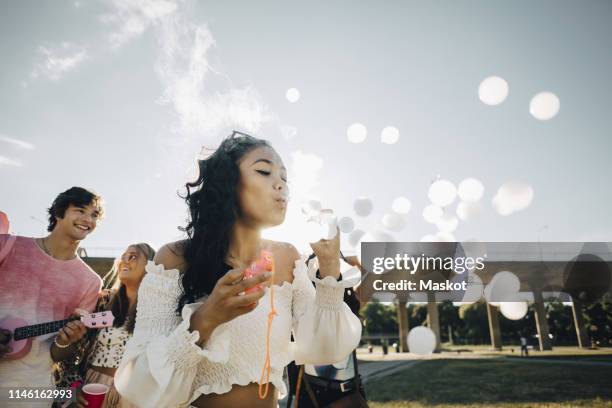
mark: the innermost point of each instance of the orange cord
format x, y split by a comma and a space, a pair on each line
265, 372
298, 386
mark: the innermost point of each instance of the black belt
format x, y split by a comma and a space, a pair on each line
342, 386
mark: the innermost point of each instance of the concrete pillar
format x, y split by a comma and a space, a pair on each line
402, 320
433, 319
541, 321
494, 329
581, 333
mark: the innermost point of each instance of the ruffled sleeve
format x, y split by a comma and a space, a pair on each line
160, 360
325, 329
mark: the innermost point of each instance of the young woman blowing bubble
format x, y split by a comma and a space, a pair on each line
212, 354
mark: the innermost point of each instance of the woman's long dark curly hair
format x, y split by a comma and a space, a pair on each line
213, 209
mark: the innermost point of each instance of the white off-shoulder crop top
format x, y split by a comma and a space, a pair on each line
163, 367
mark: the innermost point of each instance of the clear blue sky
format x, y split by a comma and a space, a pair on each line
120, 96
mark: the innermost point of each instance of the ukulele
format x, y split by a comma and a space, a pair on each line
22, 333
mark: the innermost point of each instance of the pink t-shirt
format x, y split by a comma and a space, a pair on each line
39, 288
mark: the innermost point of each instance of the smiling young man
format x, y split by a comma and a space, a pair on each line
43, 279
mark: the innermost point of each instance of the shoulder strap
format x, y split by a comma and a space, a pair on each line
8, 245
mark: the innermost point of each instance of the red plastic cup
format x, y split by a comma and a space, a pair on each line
94, 394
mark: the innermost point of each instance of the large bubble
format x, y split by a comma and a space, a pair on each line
514, 310
355, 237
389, 135
393, 222
432, 213
512, 196
493, 90
363, 206
447, 223
470, 189
293, 95
421, 340
356, 133
401, 205
467, 211
442, 193
544, 106
346, 225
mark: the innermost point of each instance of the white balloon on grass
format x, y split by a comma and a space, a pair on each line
293, 95
421, 340
514, 310
356, 133
401, 205
493, 90
389, 135
363, 206
447, 223
393, 222
470, 189
346, 225
442, 192
432, 213
468, 210
544, 106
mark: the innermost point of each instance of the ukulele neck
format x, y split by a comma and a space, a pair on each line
40, 329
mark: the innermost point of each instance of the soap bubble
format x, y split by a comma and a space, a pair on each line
421, 340
389, 135
468, 210
512, 196
444, 236
393, 222
356, 133
311, 208
504, 286
355, 237
493, 90
401, 205
346, 225
470, 189
442, 192
544, 106
293, 95
447, 223
514, 310
363, 206
432, 213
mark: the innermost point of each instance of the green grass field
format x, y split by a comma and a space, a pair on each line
493, 383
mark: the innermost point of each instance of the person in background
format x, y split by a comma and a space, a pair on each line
524, 348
